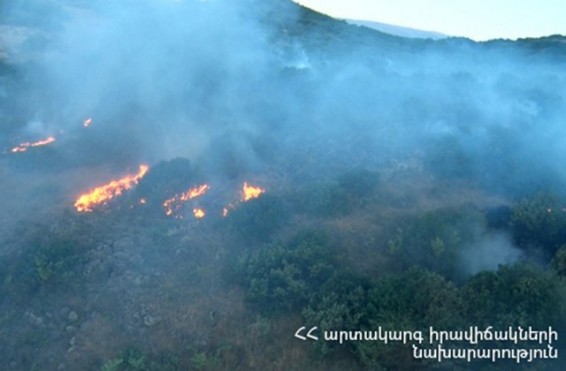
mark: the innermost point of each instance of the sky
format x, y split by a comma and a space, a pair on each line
476, 19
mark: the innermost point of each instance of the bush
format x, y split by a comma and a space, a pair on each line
134, 360
340, 197
539, 222
257, 219
359, 182
284, 276
434, 240
327, 199
50, 255
498, 217
558, 263
55, 259
413, 300
340, 304
517, 295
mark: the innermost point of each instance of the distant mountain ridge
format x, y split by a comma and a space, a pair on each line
398, 30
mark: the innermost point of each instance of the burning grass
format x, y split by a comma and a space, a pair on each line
23, 147
102, 194
174, 204
249, 192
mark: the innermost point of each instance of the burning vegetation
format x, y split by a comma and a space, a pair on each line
199, 213
249, 192
174, 204
24, 146
87, 122
101, 195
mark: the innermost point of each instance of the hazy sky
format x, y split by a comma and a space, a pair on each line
476, 19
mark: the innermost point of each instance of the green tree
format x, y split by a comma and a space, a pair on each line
434, 240
558, 263
284, 276
413, 300
340, 304
539, 221
516, 295
258, 219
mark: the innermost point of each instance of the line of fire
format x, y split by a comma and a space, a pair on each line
24, 146
172, 207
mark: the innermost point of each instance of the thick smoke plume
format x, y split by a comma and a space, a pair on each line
164, 79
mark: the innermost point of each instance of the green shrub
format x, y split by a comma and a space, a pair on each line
340, 304
129, 360
517, 295
203, 361
539, 221
558, 263
56, 259
284, 276
258, 219
133, 359
50, 255
327, 199
498, 217
340, 197
359, 182
413, 300
434, 240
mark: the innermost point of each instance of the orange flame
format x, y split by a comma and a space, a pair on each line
87, 122
199, 213
174, 203
101, 195
24, 146
249, 192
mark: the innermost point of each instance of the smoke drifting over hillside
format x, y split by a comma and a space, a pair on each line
172, 78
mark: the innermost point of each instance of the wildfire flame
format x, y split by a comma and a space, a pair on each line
249, 192
174, 204
199, 213
87, 122
101, 195
24, 146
